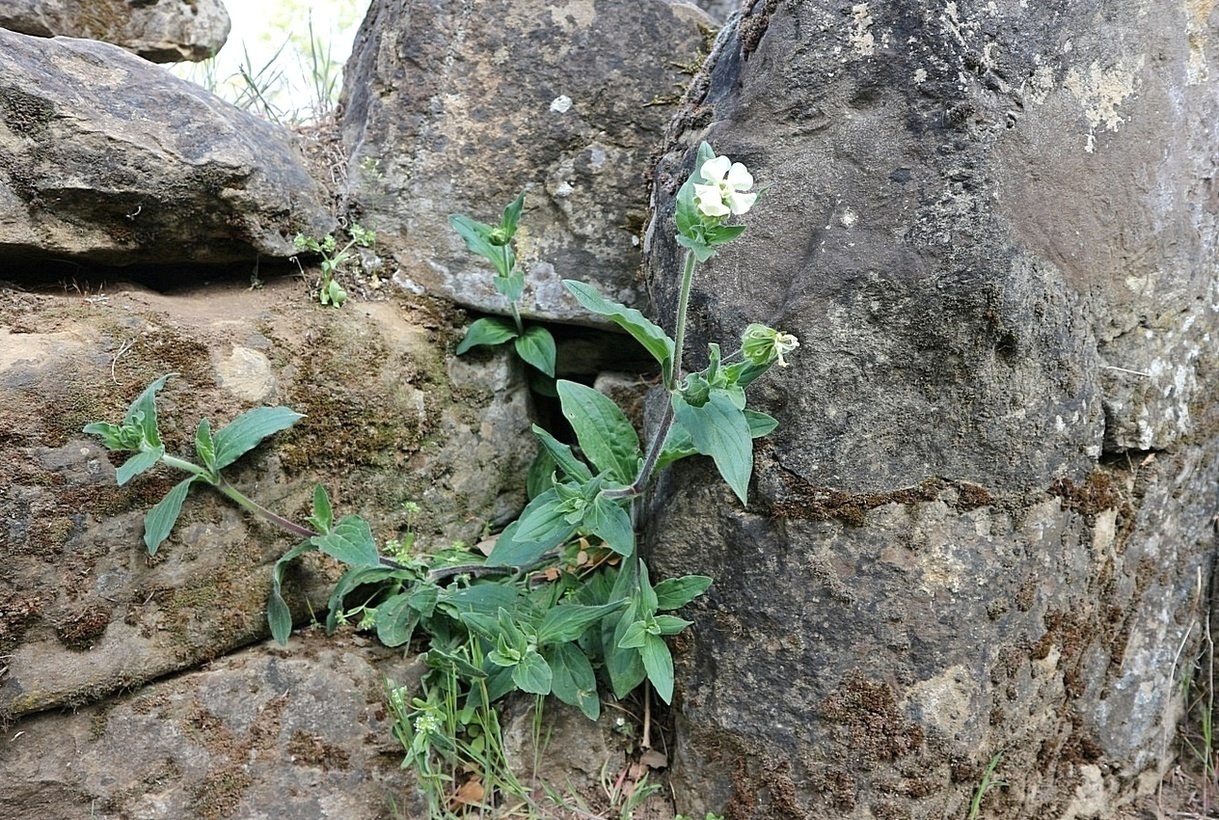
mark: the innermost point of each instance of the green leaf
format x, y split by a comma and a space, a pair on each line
760, 424
659, 665
605, 435
537, 348
142, 413
509, 283
567, 622
350, 580
624, 666
490, 331
396, 620
162, 517
573, 680
653, 339
279, 616
350, 541
245, 432
673, 593
723, 234
323, 514
634, 636
138, 463
561, 455
532, 674
205, 448
476, 235
719, 430
647, 596
671, 624
486, 598
115, 437
606, 519
512, 216
701, 250
538, 479
513, 549
705, 154
687, 210
483, 624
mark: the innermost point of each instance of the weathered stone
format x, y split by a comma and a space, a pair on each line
266, 732
83, 610
108, 159
980, 524
463, 106
163, 31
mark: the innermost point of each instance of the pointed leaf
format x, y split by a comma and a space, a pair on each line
476, 235
115, 437
723, 234
719, 430
760, 424
490, 331
396, 620
514, 550
701, 250
624, 666
647, 333
245, 432
537, 348
350, 541
605, 435
673, 593
671, 624
512, 216
138, 463
539, 477
659, 665
606, 519
573, 680
350, 580
562, 456
162, 517
205, 448
567, 622
532, 674
143, 411
323, 514
279, 615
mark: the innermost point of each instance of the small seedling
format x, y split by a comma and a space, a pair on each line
987, 783
329, 291
533, 343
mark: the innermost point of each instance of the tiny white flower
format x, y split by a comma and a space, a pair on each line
763, 345
725, 192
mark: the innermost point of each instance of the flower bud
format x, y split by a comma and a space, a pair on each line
761, 345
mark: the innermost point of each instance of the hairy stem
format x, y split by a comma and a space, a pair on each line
683, 307
262, 512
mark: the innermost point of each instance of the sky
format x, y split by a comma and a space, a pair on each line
267, 64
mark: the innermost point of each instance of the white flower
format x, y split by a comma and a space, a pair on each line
763, 345
725, 192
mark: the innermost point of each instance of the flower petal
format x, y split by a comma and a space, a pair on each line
714, 170
740, 203
739, 177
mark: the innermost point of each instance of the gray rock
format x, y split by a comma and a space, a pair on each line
980, 524
84, 611
462, 107
263, 733
105, 158
163, 31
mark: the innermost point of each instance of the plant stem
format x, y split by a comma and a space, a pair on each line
262, 512
683, 307
188, 467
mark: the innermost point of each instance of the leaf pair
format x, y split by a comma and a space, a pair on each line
535, 346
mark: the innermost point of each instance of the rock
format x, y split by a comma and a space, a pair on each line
163, 31
456, 109
107, 159
981, 522
266, 732
84, 611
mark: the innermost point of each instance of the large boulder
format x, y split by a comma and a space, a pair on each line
452, 108
163, 31
266, 732
84, 611
980, 525
108, 159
